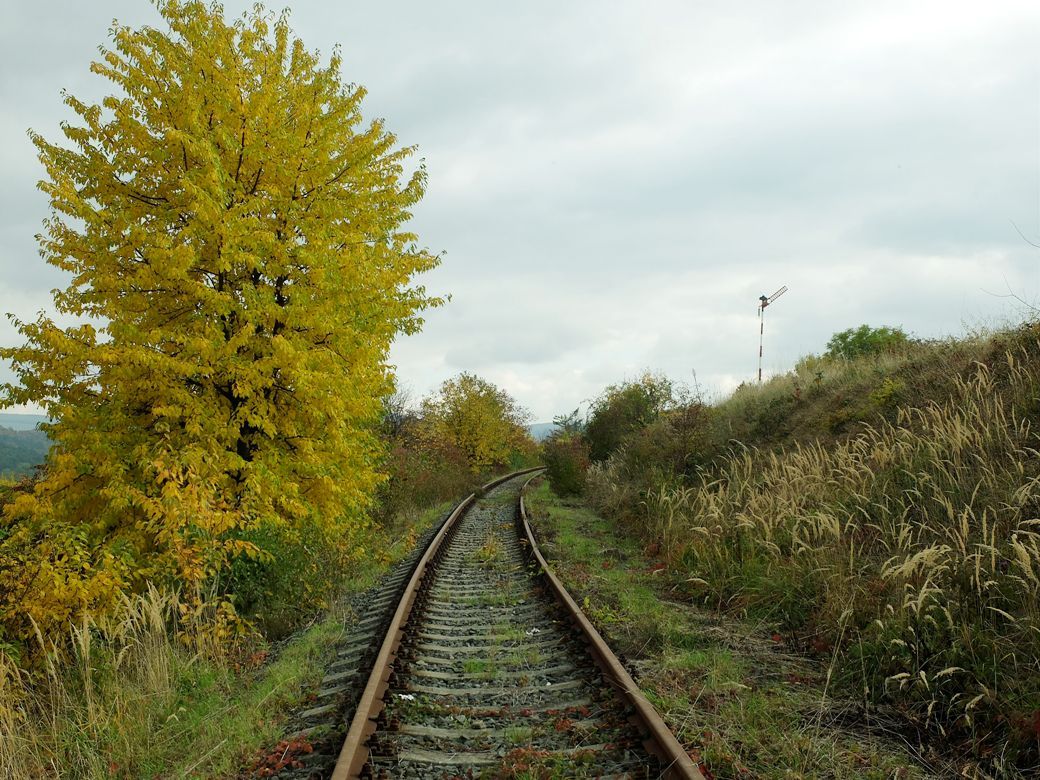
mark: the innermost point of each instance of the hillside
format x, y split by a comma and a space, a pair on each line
879, 513
541, 431
21, 450
21, 422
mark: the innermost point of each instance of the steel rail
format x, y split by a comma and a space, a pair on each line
354, 753
660, 741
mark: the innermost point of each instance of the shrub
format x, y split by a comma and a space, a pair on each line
623, 409
566, 459
865, 340
423, 472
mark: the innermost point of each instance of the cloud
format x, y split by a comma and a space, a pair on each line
614, 185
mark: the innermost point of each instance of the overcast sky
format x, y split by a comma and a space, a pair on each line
614, 184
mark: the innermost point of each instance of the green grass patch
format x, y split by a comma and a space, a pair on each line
480, 667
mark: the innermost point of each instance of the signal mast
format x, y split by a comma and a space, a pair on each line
763, 301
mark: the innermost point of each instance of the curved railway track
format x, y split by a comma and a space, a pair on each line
488, 668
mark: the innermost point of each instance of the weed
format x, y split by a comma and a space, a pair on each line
489, 554
519, 734
480, 667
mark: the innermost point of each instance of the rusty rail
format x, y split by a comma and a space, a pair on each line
354, 754
660, 741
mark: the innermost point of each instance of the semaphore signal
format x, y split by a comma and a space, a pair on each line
763, 301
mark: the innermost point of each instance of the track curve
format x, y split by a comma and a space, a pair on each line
490, 669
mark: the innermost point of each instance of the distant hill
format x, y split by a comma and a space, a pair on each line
541, 431
20, 451
21, 422
22, 446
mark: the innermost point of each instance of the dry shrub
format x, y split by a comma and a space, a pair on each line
422, 473
566, 459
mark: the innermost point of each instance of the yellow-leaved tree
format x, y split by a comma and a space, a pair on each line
234, 232
480, 420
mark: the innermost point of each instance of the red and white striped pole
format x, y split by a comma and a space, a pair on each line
761, 338
763, 301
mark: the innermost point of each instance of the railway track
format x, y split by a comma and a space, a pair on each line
487, 668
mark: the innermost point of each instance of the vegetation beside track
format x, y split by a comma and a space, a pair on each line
878, 512
744, 702
131, 693
133, 701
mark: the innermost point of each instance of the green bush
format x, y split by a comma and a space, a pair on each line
623, 409
566, 459
865, 340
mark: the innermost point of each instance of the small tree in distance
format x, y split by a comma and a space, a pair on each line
566, 458
570, 424
865, 340
479, 419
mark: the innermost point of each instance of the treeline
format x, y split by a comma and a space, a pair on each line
876, 505
21, 451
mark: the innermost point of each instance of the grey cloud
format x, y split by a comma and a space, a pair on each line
516, 346
615, 184
936, 229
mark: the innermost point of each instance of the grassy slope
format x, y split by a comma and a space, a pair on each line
746, 703
824, 400
882, 518
143, 707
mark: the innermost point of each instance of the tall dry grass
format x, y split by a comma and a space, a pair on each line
921, 536
86, 713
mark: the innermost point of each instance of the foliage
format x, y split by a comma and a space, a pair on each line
422, 471
234, 235
674, 446
125, 696
449, 445
624, 408
477, 419
571, 423
865, 340
566, 459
